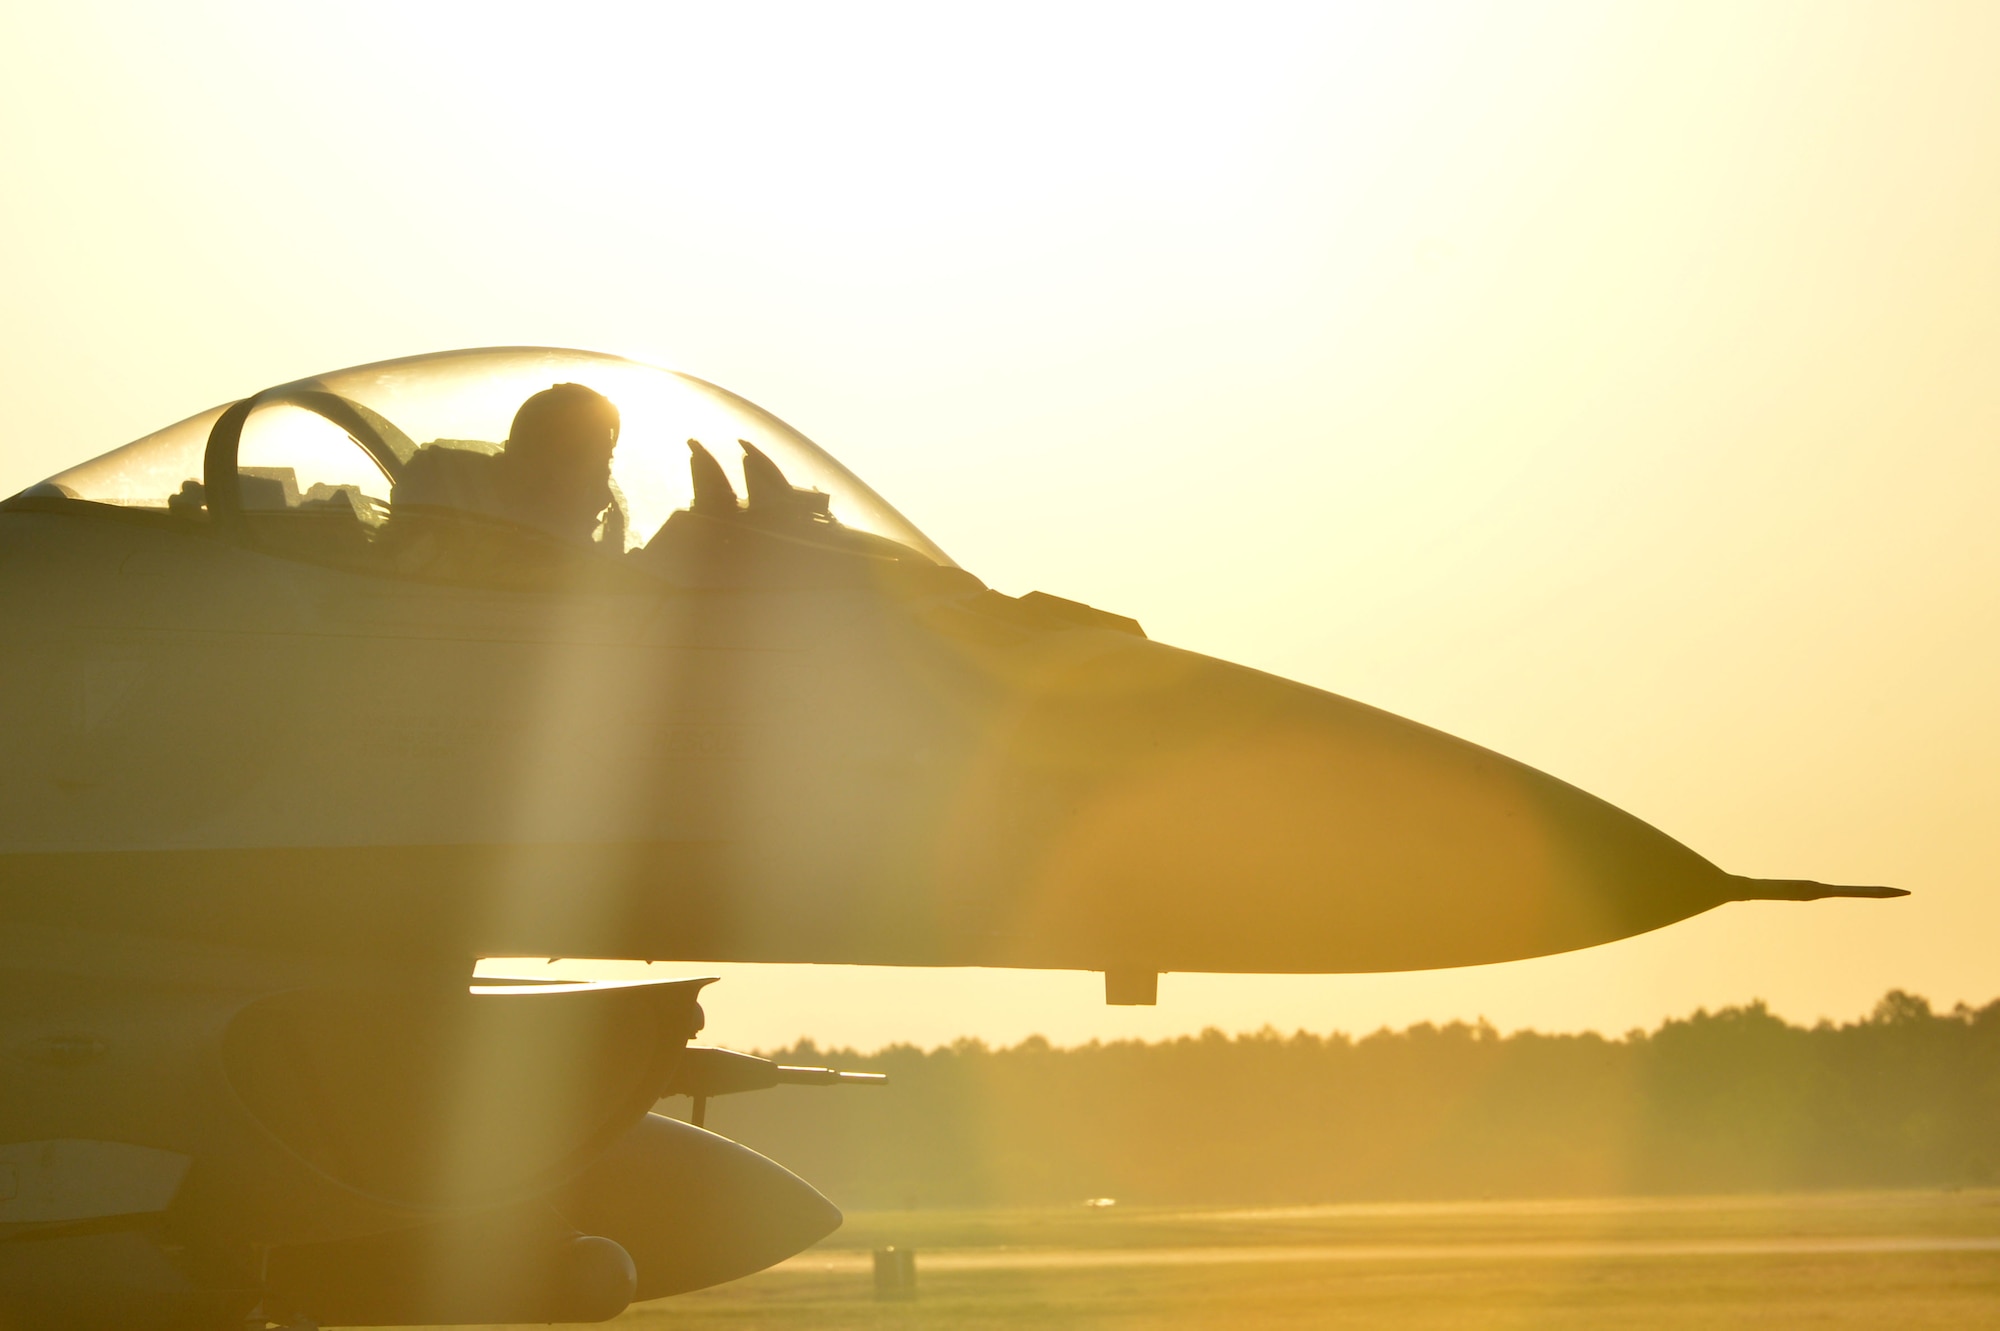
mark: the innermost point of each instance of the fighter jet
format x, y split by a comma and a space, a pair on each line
311, 701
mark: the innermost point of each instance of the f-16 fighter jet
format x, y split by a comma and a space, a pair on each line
312, 700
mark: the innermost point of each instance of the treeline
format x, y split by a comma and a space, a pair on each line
1735, 1100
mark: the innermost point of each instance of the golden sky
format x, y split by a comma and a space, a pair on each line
1617, 386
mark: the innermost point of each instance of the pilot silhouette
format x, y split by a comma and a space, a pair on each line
557, 465
554, 473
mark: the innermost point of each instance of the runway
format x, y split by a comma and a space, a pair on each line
1086, 1259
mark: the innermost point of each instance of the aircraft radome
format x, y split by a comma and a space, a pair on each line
309, 701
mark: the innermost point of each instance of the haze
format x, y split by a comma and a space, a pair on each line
1611, 386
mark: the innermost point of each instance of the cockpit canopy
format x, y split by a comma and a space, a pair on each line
362, 459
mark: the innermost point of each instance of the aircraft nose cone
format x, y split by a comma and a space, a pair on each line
695, 1209
1164, 810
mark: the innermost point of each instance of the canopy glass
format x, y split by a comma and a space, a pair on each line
363, 445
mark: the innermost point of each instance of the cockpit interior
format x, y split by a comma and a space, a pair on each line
533, 462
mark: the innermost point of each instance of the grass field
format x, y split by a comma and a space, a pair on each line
1904, 1260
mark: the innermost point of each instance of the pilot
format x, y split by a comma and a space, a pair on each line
554, 473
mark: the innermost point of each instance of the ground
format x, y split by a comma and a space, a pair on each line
1875, 1260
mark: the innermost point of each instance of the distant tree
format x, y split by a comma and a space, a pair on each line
1734, 1100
